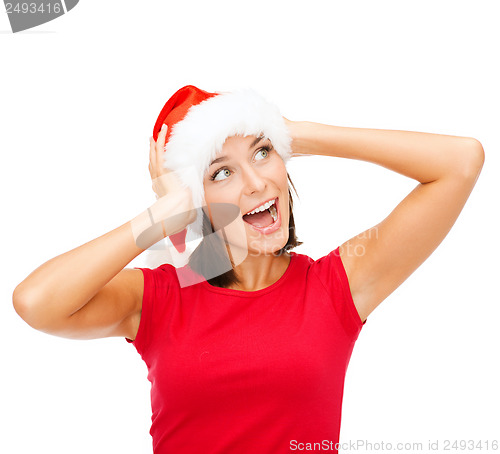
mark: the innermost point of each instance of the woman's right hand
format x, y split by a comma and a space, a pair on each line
179, 209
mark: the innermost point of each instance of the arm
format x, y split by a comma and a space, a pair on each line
86, 293
446, 167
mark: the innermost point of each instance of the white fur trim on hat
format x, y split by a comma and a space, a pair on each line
195, 141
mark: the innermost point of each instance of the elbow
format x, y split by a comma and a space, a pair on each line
19, 301
474, 159
25, 305
32, 305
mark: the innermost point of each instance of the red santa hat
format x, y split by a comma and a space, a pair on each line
199, 123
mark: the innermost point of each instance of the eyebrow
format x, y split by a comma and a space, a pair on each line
224, 158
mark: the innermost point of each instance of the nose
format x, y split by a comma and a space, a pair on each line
253, 181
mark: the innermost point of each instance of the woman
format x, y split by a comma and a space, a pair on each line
247, 345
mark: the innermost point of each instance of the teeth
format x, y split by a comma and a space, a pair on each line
273, 212
263, 207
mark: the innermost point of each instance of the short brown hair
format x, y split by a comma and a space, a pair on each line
211, 253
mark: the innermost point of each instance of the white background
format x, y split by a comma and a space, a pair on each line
78, 100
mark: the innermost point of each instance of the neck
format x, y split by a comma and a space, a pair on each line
261, 271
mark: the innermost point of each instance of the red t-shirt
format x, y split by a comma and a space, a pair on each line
248, 372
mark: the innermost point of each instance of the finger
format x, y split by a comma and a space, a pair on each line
152, 158
160, 150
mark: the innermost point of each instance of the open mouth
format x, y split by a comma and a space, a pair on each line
264, 216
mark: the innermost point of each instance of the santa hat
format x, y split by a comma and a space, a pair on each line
199, 123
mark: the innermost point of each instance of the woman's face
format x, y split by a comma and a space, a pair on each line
248, 173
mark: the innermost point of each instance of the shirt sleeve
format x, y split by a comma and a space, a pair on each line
330, 270
157, 283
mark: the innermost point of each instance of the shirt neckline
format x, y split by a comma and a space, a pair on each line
248, 294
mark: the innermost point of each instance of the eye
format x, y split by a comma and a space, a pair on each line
264, 151
220, 174
215, 175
